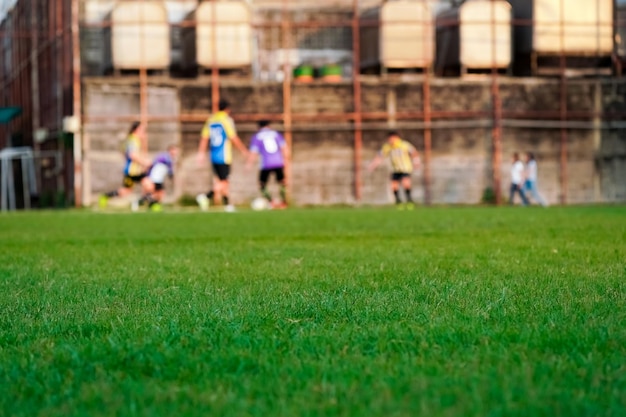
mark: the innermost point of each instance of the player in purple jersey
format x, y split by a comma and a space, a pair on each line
153, 183
272, 149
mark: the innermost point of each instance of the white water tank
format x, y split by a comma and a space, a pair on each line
476, 35
399, 34
223, 38
140, 35
485, 34
586, 26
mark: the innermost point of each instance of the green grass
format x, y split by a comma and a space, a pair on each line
329, 312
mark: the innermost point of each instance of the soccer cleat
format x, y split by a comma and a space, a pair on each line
400, 206
410, 206
203, 201
279, 205
103, 201
229, 208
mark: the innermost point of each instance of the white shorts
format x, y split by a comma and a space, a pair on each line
158, 173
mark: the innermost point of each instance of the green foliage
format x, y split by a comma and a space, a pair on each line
187, 200
333, 312
489, 196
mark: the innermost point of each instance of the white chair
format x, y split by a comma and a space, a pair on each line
7, 183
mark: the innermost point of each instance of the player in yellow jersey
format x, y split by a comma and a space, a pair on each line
216, 140
403, 158
136, 164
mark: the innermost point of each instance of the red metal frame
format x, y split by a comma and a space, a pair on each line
51, 55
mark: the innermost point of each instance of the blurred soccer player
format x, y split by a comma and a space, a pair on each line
403, 158
217, 137
154, 182
271, 147
136, 164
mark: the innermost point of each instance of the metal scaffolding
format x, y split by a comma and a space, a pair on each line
45, 79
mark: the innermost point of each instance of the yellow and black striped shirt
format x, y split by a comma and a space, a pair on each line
399, 153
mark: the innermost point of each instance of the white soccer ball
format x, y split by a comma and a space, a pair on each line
259, 204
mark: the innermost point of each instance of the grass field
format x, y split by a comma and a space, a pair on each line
327, 312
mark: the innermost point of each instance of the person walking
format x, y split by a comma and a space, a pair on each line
517, 180
530, 184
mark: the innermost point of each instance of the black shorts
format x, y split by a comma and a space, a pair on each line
130, 180
397, 176
222, 171
264, 175
158, 187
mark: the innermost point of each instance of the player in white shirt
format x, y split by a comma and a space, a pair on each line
517, 180
530, 184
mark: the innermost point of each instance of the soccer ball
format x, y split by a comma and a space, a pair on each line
259, 204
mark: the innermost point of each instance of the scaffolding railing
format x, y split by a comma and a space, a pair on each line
45, 77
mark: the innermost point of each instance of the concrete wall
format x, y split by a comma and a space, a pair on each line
104, 133
322, 171
611, 153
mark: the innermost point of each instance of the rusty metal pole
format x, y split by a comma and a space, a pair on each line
356, 83
427, 42
143, 103
80, 191
287, 119
617, 23
563, 111
60, 60
496, 131
215, 73
143, 84
36, 93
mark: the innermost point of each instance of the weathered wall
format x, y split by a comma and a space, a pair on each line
611, 153
104, 133
323, 151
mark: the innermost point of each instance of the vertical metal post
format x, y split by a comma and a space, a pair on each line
356, 85
427, 113
143, 81
79, 187
215, 73
616, 24
496, 130
563, 110
34, 71
66, 68
26, 178
287, 119
25, 98
427, 140
143, 102
59, 53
